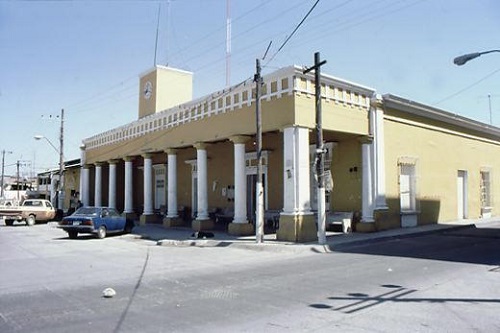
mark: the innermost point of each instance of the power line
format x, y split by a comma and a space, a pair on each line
467, 87
294, 30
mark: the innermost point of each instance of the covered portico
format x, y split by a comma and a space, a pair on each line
201, 154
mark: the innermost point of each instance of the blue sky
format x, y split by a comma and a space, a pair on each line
86, 57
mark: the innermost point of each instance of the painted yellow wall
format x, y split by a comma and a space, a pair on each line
439, 155
171, 87
336, 116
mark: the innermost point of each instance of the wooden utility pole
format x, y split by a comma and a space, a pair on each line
60, 189
259, 193
320, 150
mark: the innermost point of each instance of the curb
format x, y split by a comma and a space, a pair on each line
330, 247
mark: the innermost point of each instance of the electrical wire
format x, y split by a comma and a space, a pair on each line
467, 87
294, 30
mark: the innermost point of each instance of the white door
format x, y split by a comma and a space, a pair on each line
462, 194
160, 191
405, 188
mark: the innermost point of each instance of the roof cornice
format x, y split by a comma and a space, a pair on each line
427, 111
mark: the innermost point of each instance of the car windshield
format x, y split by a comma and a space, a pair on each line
87, 211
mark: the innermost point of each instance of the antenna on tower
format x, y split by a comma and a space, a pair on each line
157, 28
228, 43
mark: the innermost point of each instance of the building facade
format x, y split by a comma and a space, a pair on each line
392, 162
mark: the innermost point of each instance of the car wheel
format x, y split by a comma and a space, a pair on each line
72, 234
30, 220
101, 232
9, 222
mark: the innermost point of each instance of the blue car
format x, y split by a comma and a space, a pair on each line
94, 220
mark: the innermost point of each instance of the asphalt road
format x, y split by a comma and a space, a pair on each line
446, 282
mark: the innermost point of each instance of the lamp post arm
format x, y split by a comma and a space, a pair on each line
461, 60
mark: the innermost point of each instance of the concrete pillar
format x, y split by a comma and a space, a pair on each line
378, 147
112, 184
148, 189
98, 185
297, 222
82, 180
172, 219
366, 181
129, 195
240, 225
202, 220
86, 186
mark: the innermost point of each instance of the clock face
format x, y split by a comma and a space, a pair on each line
147, 90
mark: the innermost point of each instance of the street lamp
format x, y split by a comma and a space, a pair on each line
60, 186
461, 60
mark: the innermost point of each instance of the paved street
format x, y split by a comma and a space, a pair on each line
448, 281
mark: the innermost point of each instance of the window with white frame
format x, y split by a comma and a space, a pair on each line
485, 188
407, 187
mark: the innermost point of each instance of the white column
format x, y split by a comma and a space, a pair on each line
85, 186
366, 180
82, 165
129, 196
148, 185
378, 151
98, 185
172, 210
112, 184
240, 180
201, 162
297, 197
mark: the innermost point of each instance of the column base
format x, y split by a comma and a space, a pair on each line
151, 218
130, 216
297, 228
200, 225
240, 229
173, 222
366, 227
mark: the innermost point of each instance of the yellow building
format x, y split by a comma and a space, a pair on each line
391, 161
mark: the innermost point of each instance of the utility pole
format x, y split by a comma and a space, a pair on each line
320, 150
228, 43
3, 170
60, 188
259, 195
17, 179
489, 103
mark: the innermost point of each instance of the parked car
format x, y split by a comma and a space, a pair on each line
94, 220
31, 211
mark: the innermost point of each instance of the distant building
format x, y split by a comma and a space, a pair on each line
48, 181
393, 162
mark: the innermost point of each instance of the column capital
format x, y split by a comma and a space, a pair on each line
201, 145
113, 161
99, 164
366, 139
147, 155
170, 151
376, 101
239, 139
129, 158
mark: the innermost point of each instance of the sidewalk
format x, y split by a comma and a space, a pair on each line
184, 237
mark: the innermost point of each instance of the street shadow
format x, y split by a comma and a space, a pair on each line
468, 245
356, 302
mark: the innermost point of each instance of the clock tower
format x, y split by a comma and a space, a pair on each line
162, 88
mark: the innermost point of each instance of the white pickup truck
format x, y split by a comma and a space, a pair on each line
31, 211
